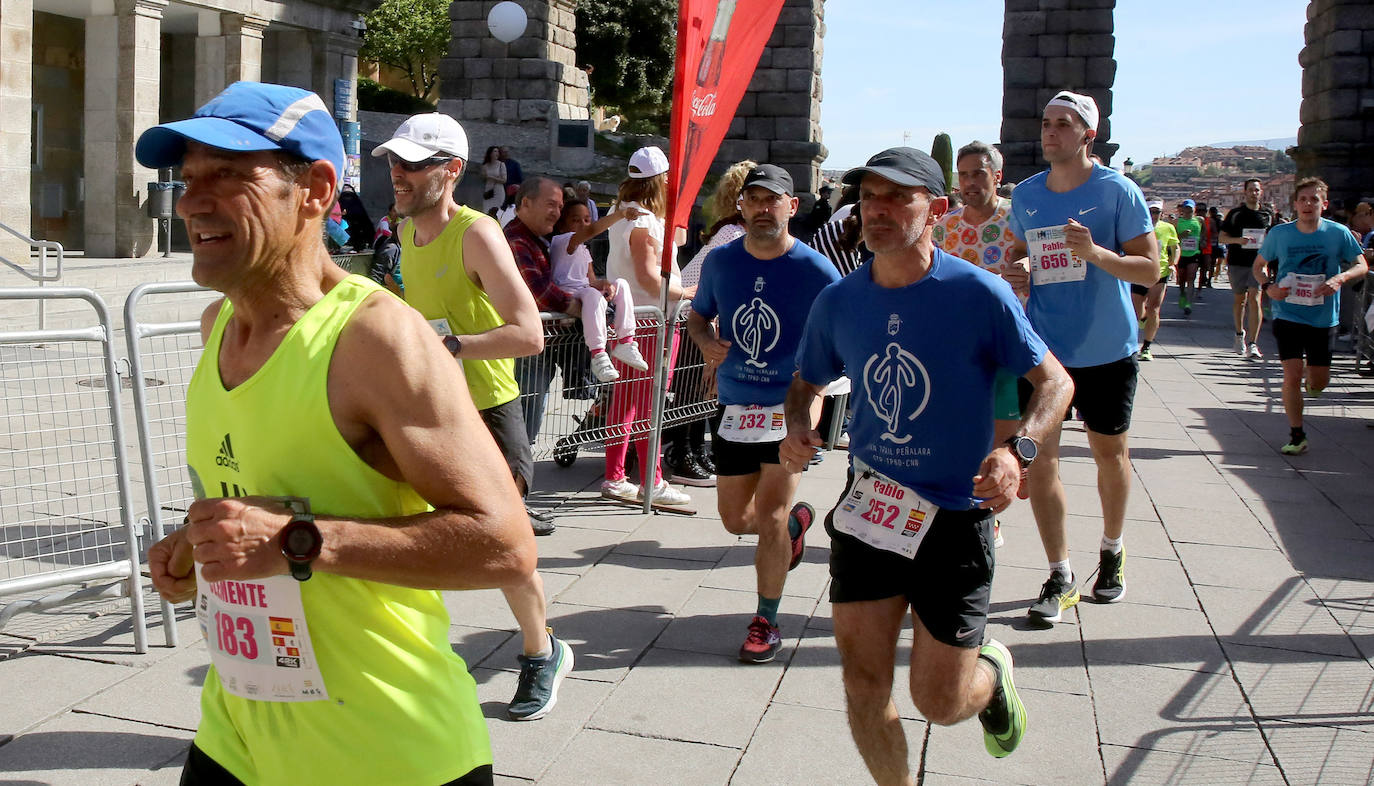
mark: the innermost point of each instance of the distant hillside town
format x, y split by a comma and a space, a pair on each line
1215, 175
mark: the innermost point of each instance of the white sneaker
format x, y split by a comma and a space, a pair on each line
1255, 353
622, 489
665, 494
602, 368
626, 352
843, 442
1239, 346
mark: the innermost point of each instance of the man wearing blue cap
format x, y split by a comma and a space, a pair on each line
922, 335
1190, 236
330, 505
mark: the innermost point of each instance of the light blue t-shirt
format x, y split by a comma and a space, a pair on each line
1325, 251
762, 305
1089, 322
921, 359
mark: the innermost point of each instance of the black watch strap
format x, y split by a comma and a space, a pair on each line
300, 539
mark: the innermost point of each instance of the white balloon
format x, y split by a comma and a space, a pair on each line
507, 21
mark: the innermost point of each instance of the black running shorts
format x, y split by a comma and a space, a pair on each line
739, 458
1103, 394
1297, 341
948, 584
506, 422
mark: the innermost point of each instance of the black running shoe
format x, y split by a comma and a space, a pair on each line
690, 473
1056, 595
1110, 586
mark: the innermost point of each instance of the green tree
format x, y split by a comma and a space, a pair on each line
630, 46
409, 35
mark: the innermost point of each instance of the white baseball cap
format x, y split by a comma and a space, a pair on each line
426, 136
1155, 204
648, 162
1085, 106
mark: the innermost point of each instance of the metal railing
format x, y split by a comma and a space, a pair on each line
65, 501
162, 357
42, 276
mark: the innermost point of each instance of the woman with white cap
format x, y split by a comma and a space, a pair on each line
636, 252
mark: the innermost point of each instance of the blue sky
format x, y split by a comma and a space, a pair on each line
1188, 72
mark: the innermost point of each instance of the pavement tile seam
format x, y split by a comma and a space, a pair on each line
650, 736
133, 720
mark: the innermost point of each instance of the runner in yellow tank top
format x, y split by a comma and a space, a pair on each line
330, 645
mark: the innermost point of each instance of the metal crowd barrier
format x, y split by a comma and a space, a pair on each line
162, 356
65, 501
575, 416
1363, 338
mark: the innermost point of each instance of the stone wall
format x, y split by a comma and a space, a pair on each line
1048, 46
779, 118
1336, 140
532, 79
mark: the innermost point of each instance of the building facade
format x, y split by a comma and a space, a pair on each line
89, 76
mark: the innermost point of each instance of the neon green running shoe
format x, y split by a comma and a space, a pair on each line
1004, 719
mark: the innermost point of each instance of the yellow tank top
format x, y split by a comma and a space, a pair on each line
402, 708
437, 285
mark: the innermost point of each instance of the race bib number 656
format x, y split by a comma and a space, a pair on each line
1052, 261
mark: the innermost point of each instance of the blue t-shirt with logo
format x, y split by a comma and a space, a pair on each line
1089, 322
762, 305
921, 361
1323, 252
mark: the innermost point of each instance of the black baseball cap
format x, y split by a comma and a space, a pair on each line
773, 178
905, 166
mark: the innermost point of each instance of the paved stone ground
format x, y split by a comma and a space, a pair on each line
1243, 652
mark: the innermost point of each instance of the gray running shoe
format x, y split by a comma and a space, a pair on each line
537, 691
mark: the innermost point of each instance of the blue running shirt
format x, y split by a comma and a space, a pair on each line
921, 359
1089, 322
1320, 253
762, 305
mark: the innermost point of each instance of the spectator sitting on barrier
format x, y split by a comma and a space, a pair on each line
573, 273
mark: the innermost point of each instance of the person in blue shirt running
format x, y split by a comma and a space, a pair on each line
761, 286
1316, 257
921, 335
1085, 235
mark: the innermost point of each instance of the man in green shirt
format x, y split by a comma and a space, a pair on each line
1190, 240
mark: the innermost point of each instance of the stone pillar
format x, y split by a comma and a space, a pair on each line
16, 135
533, 79
122, 74
228, 49
1048, 46
1336, 140
778, 120
336, 57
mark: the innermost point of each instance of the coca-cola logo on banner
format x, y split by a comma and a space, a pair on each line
704, 106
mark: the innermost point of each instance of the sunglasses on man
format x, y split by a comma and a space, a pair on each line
416, 166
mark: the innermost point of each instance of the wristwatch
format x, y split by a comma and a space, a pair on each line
300, 544
453, 344
1024, 449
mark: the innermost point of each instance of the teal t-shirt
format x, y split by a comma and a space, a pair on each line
1322, 252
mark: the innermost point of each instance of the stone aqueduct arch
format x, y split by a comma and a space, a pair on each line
1047, 45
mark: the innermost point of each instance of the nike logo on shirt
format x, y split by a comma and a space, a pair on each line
1085, 212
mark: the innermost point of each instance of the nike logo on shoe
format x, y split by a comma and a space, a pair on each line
1089, 210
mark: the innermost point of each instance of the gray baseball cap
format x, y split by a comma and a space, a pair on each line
905, 166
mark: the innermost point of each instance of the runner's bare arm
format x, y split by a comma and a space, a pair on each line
488, 259
703, 333
1138, 264
1017, 269
1356, 268
1260, 270
1052, 390
802, 438
400, 401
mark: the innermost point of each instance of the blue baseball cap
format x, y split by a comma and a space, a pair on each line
246, 117
1187, 203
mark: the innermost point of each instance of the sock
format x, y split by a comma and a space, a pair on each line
1146, 345
768, 609
1296, 435
598, 351
1111, 544
1062, 569
546, 652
